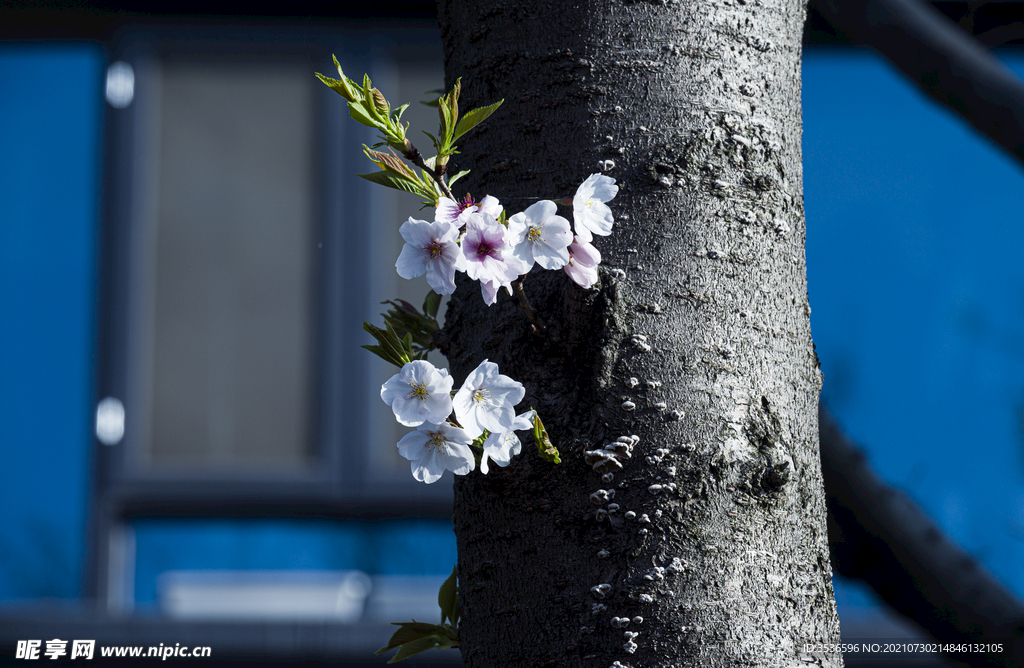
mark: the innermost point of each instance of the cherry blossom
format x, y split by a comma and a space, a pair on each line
436, 448
487, 400
457, 211
501, 447
583, 261
491, 206
419, 393
541, 236
433, 249
489, 256
590, 213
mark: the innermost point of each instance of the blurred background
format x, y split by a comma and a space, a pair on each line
193, 450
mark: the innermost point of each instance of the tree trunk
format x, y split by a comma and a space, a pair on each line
693, 352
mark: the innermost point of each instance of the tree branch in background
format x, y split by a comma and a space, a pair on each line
947, 63
879, 535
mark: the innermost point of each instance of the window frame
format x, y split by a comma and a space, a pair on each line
337, 483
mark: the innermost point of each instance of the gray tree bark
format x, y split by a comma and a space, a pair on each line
691, 360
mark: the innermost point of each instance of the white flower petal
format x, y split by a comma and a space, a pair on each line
585, 254
412, 262
447, 211
556, 231
551, 258
524, 421
582, 233
412, 444
524, 253
505, 390
601, 187
489, 290
418, 393
538, 211
458, 459
441, 277
517, 229
585, 277
490, 205
430, 468
416, 232
496, 418
487, 400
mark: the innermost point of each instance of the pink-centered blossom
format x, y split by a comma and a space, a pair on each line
436, 448
457, 211
432, 249
589, 211
583, 261
489, 256
540, 235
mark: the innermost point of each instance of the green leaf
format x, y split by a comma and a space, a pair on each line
421, 645
367, 87
444, 113
381, 353
357, 111
390, 343
339, 87
395, 341
448, 599
397, 113
548, 452
474, 118
458, 176
343, 86
431, 304
478, 442
448, 112
453, 100
395, 181
389, 162
409, 631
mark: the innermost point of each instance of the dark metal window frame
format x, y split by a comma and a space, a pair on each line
338, 483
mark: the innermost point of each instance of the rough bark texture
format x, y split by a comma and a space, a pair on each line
696, 342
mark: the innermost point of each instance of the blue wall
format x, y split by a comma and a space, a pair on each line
915, 244
50, 120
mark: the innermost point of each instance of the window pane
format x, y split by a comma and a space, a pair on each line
234, 262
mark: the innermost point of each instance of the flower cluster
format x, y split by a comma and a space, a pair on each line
421, 396
475, 238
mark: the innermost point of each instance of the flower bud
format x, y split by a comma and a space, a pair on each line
379, 103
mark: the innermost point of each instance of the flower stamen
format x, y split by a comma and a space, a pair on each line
419, 391
438, 443
435, 248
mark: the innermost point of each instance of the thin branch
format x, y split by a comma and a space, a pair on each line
946, 62
879, 535
519, 296
414, 156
